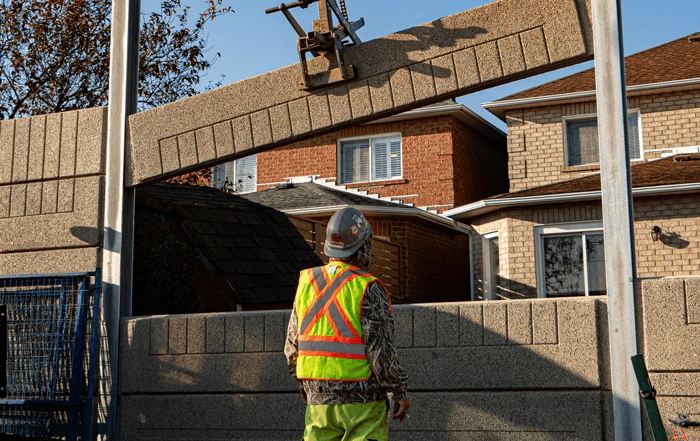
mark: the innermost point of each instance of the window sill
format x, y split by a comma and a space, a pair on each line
579, 168
591, 167
376, 183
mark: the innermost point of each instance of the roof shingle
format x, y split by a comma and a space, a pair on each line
239, 237
675, 170
673, 61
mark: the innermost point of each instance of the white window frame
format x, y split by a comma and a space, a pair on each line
542, 231
217, 185
589, 116
339, 156
486, 259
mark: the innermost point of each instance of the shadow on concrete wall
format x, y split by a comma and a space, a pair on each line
467, 380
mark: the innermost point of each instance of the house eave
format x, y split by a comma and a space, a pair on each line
439, 219
489, 205
456, 110
499, 108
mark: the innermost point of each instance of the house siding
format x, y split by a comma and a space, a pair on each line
536, 135
675, 256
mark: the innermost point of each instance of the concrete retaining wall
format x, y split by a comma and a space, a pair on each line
51, 190
534, 370
526, 370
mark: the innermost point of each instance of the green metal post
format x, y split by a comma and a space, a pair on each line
648, 394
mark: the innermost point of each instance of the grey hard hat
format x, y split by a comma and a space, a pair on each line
346, 232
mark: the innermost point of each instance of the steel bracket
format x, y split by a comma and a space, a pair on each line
325, 40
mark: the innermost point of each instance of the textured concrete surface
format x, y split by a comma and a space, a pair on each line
671, 334
220, 376
515, 370
671, 328
50, 262
433, 340
60, 145
51, 192
74, 219
459, 54
434, 417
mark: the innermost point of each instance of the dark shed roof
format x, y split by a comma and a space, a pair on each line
256, 248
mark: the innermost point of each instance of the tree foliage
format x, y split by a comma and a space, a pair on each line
54, 54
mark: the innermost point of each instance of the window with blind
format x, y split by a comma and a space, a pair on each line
581, 136
239, 176
370, 159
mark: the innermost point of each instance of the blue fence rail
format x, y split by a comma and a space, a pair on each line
52, 325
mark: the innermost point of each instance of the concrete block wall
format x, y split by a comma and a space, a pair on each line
671, 320
678, 254
51, 189
536, 135
515, 370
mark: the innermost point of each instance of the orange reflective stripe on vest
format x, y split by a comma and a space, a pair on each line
329, 309
326, 304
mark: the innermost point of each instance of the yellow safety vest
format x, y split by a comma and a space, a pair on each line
329, 314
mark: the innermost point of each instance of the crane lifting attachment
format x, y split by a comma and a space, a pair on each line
325, 40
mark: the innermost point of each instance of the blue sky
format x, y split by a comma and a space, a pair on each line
251, 42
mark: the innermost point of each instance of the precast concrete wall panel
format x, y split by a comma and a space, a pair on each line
477, 371
671, 320
51, 192
456, 55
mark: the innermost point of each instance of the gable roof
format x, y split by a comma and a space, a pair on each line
673, 174
311, 195
311, 199
256, 248
675, 61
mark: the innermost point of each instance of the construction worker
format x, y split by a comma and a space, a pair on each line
340, 341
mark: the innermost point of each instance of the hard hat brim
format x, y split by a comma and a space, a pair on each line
338, 253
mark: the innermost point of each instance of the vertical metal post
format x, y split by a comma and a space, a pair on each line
119, 201
618, 215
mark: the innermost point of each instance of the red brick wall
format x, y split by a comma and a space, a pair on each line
437, 152
480, 165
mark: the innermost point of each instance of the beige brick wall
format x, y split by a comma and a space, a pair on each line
678, 254
536, 135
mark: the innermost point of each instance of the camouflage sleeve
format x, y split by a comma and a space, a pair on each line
378, 330
291, 345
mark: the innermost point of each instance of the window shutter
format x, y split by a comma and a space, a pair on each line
380, 159
246, 174
633, 130
395, 152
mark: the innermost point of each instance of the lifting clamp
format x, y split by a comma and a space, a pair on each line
325, 40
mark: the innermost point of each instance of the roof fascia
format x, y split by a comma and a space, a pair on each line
488, 205
499, 108
459, 111
377, 210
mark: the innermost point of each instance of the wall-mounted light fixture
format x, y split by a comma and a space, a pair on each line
655, 233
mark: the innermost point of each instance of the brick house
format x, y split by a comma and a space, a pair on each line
436, 157
430, 254
544, 238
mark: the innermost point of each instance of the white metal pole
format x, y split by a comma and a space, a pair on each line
119, 204
618, 214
